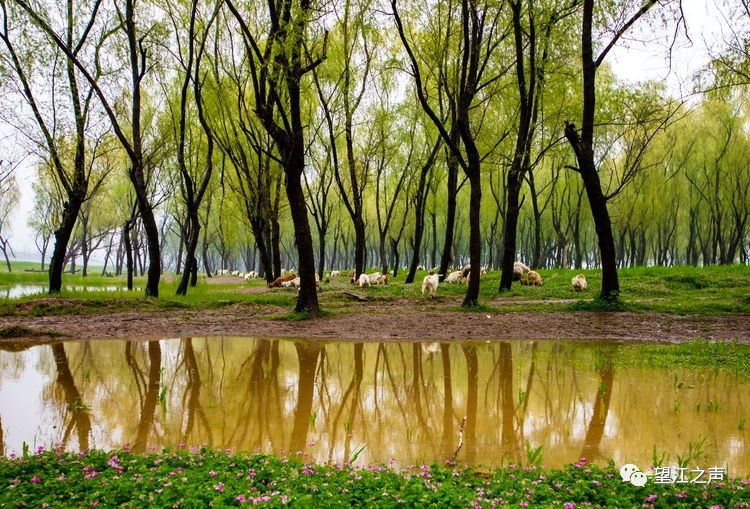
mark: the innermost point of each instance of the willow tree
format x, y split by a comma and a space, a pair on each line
582, 141
472, 32
341, 96
195, 174
128, 128
68, 152
533, 24
278, 61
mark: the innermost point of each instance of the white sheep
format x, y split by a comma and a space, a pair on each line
335, 273
363, 280
430, 284
457, 276
519, 271
579, 282
375, 278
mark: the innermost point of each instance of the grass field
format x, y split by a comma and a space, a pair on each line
706, 290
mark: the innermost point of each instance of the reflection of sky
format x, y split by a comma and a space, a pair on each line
15, 291
22, 408
387, 421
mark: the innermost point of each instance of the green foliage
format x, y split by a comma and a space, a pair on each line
205, 477
707, 290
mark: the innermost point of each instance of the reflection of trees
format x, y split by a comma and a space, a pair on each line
601, 405
148, 405
191, 400
472, 377
353, 390
261, 409
80, 418
307, 355
445, 441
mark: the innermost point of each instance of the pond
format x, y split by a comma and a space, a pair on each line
16, 291
378, 402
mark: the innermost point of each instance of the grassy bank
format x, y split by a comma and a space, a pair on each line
707, 290
204, 477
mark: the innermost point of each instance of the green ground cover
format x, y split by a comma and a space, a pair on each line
706, 290
203, 477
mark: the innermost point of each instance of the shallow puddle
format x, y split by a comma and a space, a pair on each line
16, 291
376, 402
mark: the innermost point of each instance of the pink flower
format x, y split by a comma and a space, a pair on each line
219, 487
569, 505
240, 498
36, 479
213, 473
650, 499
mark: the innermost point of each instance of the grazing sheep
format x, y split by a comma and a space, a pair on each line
519, 271
430, 284
532, 279
375, 278
251, 275
363, 280
378, 279
277, 282
579, 282
235, 273
293, 283
335, 273
457, 276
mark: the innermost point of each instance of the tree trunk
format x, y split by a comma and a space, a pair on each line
190, 248
510, 229
321, 253
128, 252
475, 237
62, 237
294, 164
584, 150
450, 218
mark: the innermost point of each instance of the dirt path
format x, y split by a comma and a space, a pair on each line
391, 322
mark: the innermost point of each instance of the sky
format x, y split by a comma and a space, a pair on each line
631, 61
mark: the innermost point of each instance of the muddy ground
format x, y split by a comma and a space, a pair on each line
388, 321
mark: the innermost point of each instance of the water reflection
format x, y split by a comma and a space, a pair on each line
378, 401
16, 291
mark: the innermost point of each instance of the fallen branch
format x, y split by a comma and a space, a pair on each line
355, 296
460, 440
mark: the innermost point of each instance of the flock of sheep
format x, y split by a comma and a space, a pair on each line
430, 283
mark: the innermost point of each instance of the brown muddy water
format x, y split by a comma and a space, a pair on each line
376, 402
